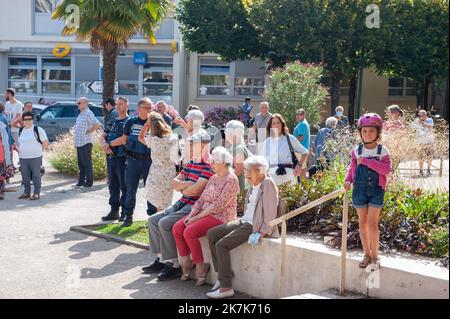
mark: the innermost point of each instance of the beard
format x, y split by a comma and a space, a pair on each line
7, 98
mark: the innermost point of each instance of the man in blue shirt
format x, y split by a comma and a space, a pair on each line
302, 133
116, 162
110, 113
138, 157
246, 109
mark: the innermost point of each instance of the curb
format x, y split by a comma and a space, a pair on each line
85, 230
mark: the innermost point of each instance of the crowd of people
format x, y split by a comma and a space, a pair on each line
146, 146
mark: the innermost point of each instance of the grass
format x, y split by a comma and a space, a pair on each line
137, 232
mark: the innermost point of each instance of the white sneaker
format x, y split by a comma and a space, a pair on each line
216, 286
216, 294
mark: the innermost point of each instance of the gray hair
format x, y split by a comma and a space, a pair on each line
196, 115
331, 121
235, 128
221, 155
257, 161
123, 98
339, 107
84, 99
144, 100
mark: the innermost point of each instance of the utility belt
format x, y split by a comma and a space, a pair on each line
138, 156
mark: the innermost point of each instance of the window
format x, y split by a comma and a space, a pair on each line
214, 79
70, 112
52, 112
22, 74
158, 77
247, 86
56, 76
401, 87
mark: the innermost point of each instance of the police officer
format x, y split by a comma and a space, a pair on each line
138, 157
116, 161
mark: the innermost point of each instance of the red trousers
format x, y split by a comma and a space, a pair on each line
187, 238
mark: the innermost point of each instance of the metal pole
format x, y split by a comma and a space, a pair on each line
344, 244
360, 83
282, 259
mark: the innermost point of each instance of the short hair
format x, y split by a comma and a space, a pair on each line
284, 127
422, 111
301, 112
339, 107
85, 99
27, 102
264, 103
236, 128
196, 115
11, 91
331, 121
248, 98
221, 155
193, 107
144, 100
111, 101
161, 102
123, 98
27, 114
257, 161
395, 108
2, 107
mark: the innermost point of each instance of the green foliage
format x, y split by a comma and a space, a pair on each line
297, 86
64, 157
136, 232
439, 242
218, 26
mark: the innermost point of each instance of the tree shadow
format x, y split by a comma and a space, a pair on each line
85, 249
68, 236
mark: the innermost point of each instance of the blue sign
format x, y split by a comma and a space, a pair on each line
140, 58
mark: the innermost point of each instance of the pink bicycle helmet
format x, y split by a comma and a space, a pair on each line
370, 120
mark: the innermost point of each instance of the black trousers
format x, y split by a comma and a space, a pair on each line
84, 157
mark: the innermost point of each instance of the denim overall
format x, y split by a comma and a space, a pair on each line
366, 191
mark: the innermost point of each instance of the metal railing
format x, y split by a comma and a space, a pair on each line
282, 220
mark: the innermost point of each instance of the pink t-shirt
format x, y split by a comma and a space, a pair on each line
221, 195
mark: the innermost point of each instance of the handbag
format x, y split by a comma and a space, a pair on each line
295, 160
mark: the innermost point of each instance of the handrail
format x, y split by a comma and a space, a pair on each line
282, 220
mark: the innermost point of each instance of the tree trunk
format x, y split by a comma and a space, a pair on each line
352, 97
110, 52
335, 90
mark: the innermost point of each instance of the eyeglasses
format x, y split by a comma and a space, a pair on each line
27, 120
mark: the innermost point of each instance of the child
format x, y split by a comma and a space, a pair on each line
368, 172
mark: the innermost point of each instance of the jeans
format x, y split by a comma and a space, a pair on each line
84, 157
136, 169
31, 169
116, 182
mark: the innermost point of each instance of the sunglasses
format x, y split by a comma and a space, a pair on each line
27, 120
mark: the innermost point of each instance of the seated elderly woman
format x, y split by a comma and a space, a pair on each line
234, 134
260, 209
216, 206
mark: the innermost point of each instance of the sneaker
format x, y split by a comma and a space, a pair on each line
128, 221
155, 267
169, 272
78, 184
421, 173
216, 286
428, 172
217, 294
112, 215
35, 197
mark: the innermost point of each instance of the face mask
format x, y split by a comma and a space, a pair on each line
339, 113
253, 239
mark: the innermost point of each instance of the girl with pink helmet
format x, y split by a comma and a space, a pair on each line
369, 168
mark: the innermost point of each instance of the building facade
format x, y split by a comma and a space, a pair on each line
28, 37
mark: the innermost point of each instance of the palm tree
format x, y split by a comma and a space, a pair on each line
108, 25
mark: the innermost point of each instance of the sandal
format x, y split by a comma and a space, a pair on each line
375, 264
365, 262
187, 272
201, 278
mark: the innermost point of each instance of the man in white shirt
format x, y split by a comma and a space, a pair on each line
13, 111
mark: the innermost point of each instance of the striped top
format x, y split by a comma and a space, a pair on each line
192, 172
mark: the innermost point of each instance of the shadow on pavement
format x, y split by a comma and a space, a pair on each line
68, 236
86, 248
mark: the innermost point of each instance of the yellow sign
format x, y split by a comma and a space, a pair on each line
61, 50
174, 46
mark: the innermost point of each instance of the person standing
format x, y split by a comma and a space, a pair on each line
161, 108
342, 119
4, 120
246, 110
260, 123
110, 113
18, 122
13, 111
302, 133
138, 157
5, 157
321, 139
424, 139
85, 125
32, 141
116, 162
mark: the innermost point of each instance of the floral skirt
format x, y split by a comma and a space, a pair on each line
5, 173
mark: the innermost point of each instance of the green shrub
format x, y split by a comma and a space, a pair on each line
296, 86
64, 157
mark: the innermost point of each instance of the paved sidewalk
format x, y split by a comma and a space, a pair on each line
41, 258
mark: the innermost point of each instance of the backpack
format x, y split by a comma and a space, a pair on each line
36, 133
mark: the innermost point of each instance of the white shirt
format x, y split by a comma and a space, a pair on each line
251, 205
29, 147
424, 131
371, 152
276, 149
11, 111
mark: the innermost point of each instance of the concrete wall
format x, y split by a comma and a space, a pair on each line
313, 267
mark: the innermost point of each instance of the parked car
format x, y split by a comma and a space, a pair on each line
60, 117
38, 108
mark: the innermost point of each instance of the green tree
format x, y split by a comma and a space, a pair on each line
218, 26
109, 25
296, 86
413, 42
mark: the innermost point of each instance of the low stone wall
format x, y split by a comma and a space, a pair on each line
312, 267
